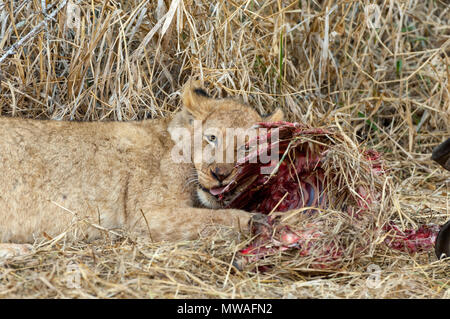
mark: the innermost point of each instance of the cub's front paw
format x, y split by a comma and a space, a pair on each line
260, 224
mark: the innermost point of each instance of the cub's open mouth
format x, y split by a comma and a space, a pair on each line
232, 190
219, 190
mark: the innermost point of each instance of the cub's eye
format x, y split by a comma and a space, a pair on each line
211, 138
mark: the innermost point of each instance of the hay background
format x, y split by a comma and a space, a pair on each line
388, 88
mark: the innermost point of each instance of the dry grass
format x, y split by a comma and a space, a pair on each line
386, 87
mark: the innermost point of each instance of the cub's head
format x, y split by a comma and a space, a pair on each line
215, 127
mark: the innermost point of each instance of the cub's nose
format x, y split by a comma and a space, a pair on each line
220, 173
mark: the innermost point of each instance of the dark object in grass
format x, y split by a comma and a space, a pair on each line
441, 154
442, 248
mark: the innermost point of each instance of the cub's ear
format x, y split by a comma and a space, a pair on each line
195, 99
276, 116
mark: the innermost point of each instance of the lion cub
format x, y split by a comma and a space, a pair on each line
118, 174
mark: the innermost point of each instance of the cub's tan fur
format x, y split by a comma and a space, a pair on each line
115, 174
